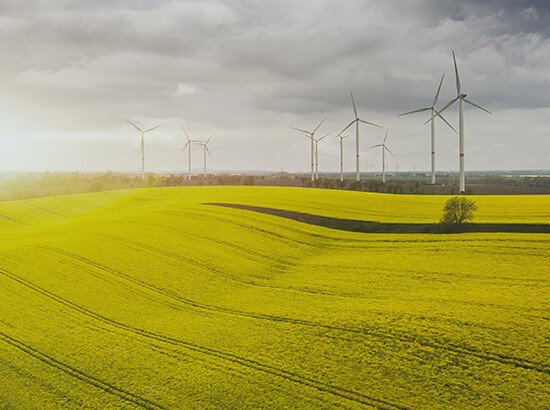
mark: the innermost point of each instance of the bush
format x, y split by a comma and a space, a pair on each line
458, 210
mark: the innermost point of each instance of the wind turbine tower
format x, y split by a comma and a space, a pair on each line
461, 98
317, 154
142, 146
342, 155
205, 150
356, 121
188, 145
384, 149
310, 134
433, 112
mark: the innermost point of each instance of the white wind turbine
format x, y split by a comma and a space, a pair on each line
317, 154
142, 146
342, 155
205, 150
384, 149
310, 135
461, 97
433, 112
357, 120
188, 144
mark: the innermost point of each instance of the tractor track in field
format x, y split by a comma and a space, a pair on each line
141, 292
337, 391
48, 211
185, 301
10, 219
219, 273
249, 253
409, 339
80, 375
251, 227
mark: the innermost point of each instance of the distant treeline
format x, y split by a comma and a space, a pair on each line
33, 185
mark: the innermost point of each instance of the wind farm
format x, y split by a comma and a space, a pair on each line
314, 142
286, 233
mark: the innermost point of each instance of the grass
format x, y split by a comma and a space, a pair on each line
148, 298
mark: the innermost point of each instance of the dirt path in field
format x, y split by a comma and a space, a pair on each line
353, 225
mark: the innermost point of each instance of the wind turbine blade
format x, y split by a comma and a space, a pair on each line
374, 146
386, 136
207, 150
326, 135
370, 123
188, 139
446, 122
349, 125
354, 107
151, 129
304, 131
185, 146
438, 90
457, 77
443, 109
208, 140
478, 106
447, 105
316, 128
412, 112
387, 149
135, 126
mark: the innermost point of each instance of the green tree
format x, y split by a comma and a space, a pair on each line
458, 210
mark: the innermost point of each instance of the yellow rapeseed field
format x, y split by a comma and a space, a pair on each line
148, 298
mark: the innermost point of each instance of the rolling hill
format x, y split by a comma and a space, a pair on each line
151, 298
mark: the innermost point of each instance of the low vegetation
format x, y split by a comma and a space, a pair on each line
149, 298
15, 186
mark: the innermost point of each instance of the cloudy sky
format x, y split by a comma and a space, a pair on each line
72, 72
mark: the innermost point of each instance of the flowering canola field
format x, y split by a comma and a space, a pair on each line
150, 299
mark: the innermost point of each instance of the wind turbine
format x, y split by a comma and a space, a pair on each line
461, 98
433, 112
384, 149
188, 144
310, 135
142, 146
317, 154
357, 120
205, 150
342, 155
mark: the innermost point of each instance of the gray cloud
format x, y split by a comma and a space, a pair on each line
73, 71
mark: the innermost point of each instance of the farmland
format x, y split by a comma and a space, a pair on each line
150, 298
